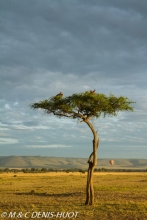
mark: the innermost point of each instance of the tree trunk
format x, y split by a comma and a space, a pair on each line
92, 163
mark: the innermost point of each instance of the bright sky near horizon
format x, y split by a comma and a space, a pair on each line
72, 46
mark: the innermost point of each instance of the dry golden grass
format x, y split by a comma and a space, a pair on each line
118, 196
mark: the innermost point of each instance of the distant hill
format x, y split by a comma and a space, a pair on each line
68, 163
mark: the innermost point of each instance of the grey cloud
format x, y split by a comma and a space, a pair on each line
77, 39
71, 46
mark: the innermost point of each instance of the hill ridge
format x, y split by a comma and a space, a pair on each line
68, 162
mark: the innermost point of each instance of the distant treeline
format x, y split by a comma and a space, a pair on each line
45, 170
119, 170
39, 170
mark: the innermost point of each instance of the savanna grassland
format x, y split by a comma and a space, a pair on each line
119, 196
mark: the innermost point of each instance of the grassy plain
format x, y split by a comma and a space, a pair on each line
118, 196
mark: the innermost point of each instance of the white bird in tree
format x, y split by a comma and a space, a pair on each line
59, 95
92, 92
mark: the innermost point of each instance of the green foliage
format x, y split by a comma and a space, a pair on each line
6, 170
84, 105
81, 171
26, 170
44, 169
33, 169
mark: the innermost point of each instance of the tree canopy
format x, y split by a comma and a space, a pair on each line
84, 105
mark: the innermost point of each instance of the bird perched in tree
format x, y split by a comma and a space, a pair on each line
92, 92
59, 95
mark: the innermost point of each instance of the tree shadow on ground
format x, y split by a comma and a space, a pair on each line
50, 195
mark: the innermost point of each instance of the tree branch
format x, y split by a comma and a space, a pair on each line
71, 115
90, 158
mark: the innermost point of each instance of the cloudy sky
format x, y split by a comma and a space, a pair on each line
72, 46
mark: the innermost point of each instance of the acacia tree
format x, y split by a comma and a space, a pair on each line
85, 106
